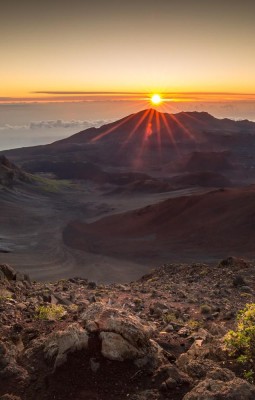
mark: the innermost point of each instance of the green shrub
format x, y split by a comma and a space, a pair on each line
5, 295
51, 312
241, 342
249, 375
194, 324
172, 317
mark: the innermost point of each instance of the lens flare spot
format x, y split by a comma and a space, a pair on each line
156, 99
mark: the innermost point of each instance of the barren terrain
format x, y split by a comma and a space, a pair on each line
33, 219
110, 202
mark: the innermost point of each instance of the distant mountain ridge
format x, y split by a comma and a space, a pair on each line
149, 122
148, 141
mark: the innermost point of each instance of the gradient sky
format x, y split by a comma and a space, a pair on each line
135, 46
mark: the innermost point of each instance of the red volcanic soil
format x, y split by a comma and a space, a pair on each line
143, 186
204, 179
209, 161
199, 226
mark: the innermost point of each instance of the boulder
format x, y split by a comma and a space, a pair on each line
8, 271
210, 389
124, 336
19, 277
197, 352
100, 318
115, 347
61, 343
234, 262
171, 377
220, 374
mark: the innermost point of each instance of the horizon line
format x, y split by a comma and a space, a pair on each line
66, 92
125, 96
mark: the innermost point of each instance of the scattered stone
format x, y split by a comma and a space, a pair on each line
238, 280
209, 389
92, 285
94, 365
245, 289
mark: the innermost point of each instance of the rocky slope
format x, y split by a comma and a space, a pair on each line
10, 173
156, 338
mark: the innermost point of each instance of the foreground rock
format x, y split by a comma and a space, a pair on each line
209, 389
8, 273
61, 343
123, 335
154, 339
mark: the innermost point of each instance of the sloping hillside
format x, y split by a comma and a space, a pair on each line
213, 223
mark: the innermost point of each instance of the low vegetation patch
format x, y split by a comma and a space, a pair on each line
51, 312
51, 185
240, 343
5, 295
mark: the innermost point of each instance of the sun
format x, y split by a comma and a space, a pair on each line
156, 99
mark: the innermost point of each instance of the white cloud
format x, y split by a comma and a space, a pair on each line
12, 127
56, 124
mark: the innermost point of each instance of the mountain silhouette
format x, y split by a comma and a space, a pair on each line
154, 126
146, 141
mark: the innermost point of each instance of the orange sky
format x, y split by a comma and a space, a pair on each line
137, 46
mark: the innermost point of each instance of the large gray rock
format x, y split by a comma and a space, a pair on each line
19, 277
210, 389
124, 336
8, 271
115, 347
99, 318
61, 343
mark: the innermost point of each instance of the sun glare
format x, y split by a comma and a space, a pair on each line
156, 99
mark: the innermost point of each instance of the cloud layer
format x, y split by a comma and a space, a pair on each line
55, 124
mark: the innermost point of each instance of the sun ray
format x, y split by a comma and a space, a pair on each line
144, 115
145, 136
193, 118
158, 133
186, 130
169, 130
116, 126
152, 122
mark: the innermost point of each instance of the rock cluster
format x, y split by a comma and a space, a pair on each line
150, 339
